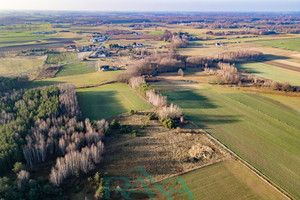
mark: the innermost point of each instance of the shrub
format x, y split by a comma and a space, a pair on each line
180, 72
114, 124
152, 116
168, 123
276, 86
286, 87
125, 129
171, 112
134, 133
132, 112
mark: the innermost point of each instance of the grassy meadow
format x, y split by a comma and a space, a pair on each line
20, 64
109, 100
262, 131
58, 58
271, 72
78, 68
290, 44
225, 180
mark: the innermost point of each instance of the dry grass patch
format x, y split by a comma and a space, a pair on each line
160, 151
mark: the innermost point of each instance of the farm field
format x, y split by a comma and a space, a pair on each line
20, 64
83, 67
292, 102
290, 44
61, 58
271, 72
109, 100
260, 130
80, 80
225, 180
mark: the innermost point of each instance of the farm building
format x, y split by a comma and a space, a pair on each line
103, 68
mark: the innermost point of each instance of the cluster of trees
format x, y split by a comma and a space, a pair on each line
7, 84
18, 112
166, 113
157, 62
227, 56
177, 40
227, 73
75, 160
25, 188
247, 31
241, 55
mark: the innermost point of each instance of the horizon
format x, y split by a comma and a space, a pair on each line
154, 6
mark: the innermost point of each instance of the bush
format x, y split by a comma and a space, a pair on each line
134, 133
18, 166
151, 116
172, 112
125, 129
286, 87
114, 124
168, 123
132, 112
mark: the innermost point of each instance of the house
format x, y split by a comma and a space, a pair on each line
217, 44
104, 68
139, 45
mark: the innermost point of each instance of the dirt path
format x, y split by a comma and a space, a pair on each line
284, 66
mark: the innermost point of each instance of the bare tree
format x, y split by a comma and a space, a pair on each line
23, 177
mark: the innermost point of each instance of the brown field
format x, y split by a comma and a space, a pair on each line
162, 152
283, 65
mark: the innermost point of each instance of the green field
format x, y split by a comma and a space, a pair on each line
290, 44
226, 180
156, 32
57, 58
262, 131
20, 64
83, 67
109, 100
271, 72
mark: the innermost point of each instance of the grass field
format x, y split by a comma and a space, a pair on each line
292, 102
109, 100
20, 64
290, 44
80, 80
225, 180
83, 67
260, 130
271, 72
58, 58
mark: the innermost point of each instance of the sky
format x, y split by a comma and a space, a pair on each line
154, 5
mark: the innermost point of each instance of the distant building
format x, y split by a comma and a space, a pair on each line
103, 68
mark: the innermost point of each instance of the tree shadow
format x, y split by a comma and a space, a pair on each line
97, 105
191, 99
269, 57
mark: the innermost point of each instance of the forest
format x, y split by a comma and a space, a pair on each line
41, 125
